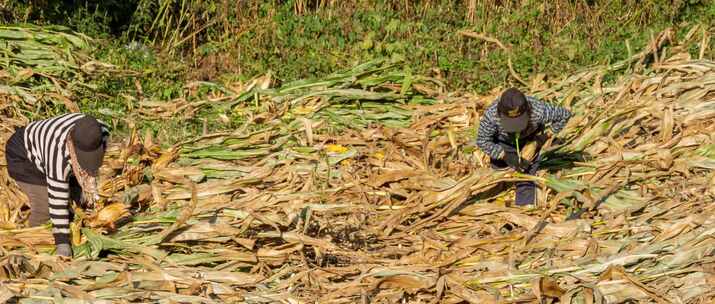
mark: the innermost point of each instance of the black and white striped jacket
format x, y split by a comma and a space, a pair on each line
45, 143
491, 134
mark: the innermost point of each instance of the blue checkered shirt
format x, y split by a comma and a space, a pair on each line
542, 114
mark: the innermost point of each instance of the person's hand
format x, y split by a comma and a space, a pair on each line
543, 137
514, 161
89, 200
64, 250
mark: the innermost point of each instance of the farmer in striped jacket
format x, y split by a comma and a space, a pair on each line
512, 115
53, 161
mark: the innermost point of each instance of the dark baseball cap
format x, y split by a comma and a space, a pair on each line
89, 148
514, 110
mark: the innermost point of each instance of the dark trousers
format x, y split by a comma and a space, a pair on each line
525, 190
39, 202
31, 181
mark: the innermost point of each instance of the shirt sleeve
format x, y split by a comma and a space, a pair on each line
486, 134
58, 198
556, 116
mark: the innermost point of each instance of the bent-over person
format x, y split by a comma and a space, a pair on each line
55, 160
513, 118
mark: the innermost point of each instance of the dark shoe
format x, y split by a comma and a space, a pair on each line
525, 193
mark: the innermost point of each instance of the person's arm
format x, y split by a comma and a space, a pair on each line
486, 134
58, 193
556, 116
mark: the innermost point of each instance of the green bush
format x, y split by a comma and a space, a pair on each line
168, 43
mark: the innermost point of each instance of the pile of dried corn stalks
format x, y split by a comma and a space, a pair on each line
363, 188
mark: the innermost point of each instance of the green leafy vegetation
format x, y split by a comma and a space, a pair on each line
161, 45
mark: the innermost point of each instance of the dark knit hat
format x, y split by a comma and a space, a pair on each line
89, 148
514, 110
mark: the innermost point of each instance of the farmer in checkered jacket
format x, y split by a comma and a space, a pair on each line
515, 118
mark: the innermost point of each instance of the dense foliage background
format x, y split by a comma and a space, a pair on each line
171, 42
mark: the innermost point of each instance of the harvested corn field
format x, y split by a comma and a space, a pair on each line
365, 187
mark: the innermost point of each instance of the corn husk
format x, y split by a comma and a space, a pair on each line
529, 150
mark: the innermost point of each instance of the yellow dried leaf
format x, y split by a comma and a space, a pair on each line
302, 110
108, 215
165, 159
336, 148
76, 236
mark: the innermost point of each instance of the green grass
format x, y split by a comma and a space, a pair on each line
232, 40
